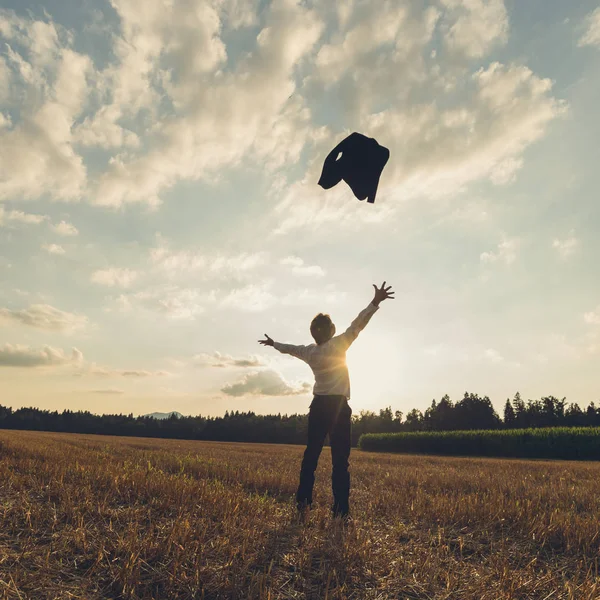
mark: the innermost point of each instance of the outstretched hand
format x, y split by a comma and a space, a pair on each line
266, 342
382, 293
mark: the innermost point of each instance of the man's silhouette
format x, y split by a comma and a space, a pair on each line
329, 412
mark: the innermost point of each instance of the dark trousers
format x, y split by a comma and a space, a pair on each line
328, 415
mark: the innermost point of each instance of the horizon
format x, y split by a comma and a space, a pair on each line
159, 206
422, 410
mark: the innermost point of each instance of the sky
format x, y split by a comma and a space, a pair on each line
159, 206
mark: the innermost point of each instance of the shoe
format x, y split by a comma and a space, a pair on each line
303, 509
339, 513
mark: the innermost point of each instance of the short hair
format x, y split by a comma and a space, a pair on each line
321, 328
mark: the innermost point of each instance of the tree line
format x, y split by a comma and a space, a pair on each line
470, 413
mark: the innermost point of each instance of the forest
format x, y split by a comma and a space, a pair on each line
472, 412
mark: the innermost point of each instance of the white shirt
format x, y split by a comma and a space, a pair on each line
328, 360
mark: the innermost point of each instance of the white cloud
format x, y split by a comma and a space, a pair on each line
299, 268
493, 356
218, 360
307, 297
438, 149
250, 298
53, 249
20, 217
114, 277
442, 150
65, 229
591, 36
170, 106
27, 357
505, 253
566, 247
264, 383
291, 261
36, 154
355, 64
239, 13
176, 262
378, 24
108, 372
473, 27
111, 391
592, 317
236, 264
170, 300
177, 302
44, 316
223, 119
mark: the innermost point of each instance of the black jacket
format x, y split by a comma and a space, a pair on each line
360, 165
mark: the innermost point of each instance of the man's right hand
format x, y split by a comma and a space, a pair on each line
267, 341
382, 293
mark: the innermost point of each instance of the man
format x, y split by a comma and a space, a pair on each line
329, 412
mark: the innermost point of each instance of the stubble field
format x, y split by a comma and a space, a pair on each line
101, 517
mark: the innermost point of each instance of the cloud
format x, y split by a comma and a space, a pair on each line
239, 13
307, 297
27, 357
53, 249
218, 360
94, 370
299, 268
175, 103
591, 35
403, 30
37, 156
114, 277
178, 302
65, 229
44, 316
506, 253
454, 146
566, 247
250, 298
264, 383
474, 27
171, 300
17, 216
215, 124
438, 148
109, 391
592, 317
493, 356
219, 265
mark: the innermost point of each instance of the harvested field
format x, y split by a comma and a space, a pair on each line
104, 517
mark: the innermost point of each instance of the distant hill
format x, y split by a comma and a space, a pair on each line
159, 415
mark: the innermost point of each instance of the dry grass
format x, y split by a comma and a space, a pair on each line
97, 517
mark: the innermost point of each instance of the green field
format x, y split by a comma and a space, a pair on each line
566, 443
99, 517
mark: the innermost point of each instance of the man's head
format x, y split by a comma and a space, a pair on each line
322, 328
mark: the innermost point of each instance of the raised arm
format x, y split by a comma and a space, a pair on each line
297, 351
365, 315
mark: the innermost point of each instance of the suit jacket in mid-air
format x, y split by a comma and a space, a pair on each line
360, 165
